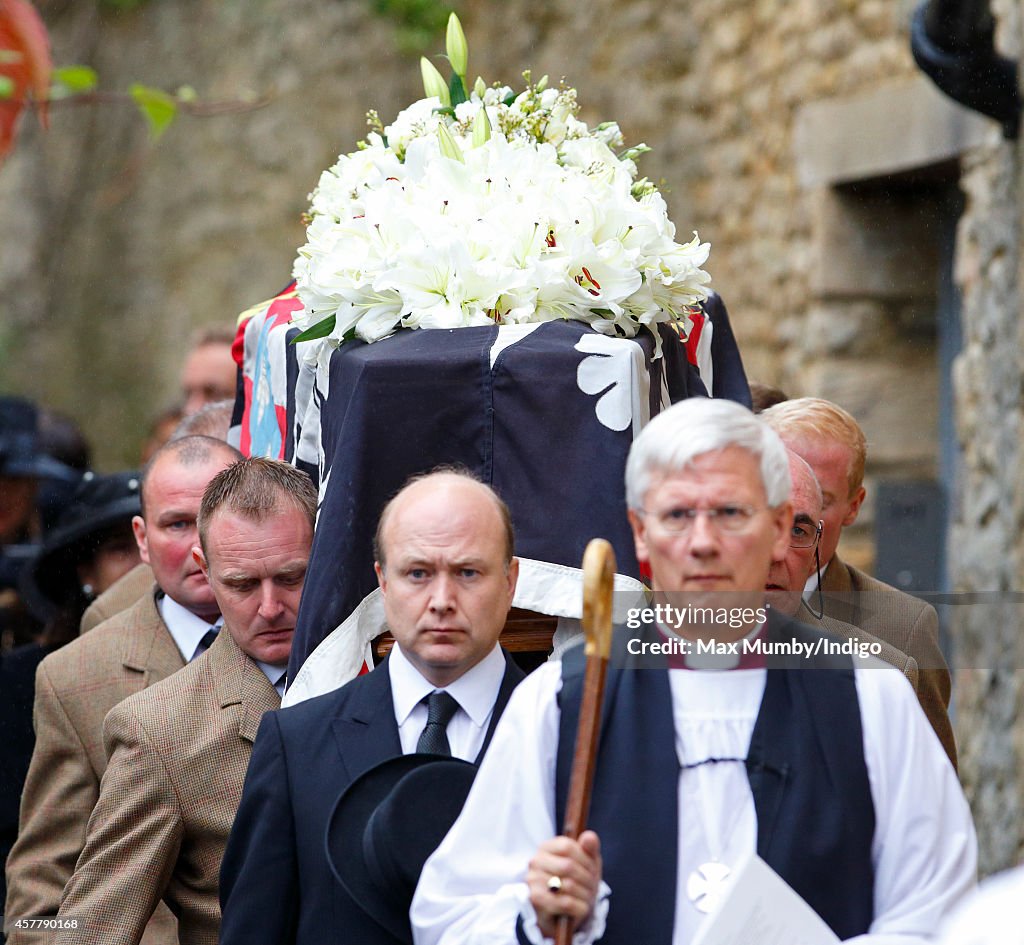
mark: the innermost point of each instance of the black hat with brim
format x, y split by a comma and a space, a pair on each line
100, 503
386, 824
20, 453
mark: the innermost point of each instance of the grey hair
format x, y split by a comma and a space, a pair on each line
693, 427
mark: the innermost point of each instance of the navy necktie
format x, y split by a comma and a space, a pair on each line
207, 641
434, 739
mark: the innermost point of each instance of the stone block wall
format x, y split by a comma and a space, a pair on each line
986, 548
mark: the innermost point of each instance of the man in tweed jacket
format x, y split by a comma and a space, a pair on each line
178, 752
833, 444
77, 685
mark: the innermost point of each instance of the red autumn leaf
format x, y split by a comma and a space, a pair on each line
25, 62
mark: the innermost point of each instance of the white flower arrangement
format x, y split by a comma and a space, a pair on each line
491, 206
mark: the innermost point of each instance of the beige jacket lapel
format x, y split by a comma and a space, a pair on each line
239, 681
149, 647
836, 579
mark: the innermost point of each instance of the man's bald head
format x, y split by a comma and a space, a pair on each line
806, 491
788, 576
446, 573
441, 479
186, 451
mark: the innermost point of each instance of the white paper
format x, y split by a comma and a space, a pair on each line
759, 908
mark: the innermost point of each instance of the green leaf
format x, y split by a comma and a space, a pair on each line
76, 79
157, 107
6, 87
457, 91
320, 330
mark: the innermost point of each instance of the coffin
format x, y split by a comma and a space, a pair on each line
544, 412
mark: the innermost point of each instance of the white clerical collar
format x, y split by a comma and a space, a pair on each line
185, 628
475, 690
723, 659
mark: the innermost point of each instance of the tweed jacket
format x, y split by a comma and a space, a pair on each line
119, 596
76, 686
905, 622
888, 653
178, 753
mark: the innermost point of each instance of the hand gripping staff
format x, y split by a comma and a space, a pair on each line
598, 582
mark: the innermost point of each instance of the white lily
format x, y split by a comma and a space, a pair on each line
512, 212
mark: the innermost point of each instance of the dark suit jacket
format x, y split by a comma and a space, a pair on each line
17, 685
905, 622
276, 885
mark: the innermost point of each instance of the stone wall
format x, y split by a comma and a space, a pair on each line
986, 543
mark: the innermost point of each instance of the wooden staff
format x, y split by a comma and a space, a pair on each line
598, 583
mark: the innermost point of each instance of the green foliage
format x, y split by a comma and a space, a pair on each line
157, 107
6, 87
121, 5
320, 329
417, 21
72, 80
457, 91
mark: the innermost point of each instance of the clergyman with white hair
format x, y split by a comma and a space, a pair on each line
826, 768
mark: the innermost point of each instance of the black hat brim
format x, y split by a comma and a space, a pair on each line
39, 466
48, 580
427, 794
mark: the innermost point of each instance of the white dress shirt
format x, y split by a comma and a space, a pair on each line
185, 627
274, 674
474, 691
924, 848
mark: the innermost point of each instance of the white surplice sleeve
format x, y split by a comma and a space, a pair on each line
473, 888
924, 849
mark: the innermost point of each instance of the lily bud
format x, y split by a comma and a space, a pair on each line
455, 44
543, 84
433, 84
449, 147
631, 154
481, 128
480, 87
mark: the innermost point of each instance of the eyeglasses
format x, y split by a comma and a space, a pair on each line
726, 518
804, 534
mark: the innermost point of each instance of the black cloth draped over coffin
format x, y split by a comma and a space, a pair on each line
516, 416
